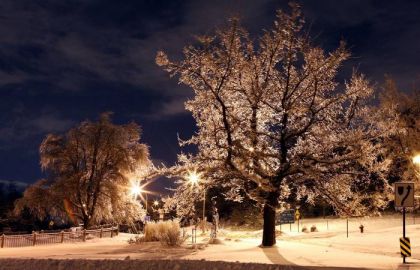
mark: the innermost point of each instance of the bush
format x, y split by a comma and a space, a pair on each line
171, 236
313, 228
167, 232
246, 216
151, 232
304, 229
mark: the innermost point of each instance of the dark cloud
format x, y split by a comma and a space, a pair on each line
62, 62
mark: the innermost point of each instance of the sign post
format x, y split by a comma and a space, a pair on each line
347, 227
404, 197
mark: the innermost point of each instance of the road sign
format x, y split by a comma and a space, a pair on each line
297, 214
287, 216
404, 194
405, 247
404, 197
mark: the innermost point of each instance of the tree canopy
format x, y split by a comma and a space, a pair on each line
87, 173
399, 115
274, 122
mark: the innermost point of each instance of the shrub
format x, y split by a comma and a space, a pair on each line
304, 229
171, 235
167, 232
246, 216
151, 232
313, 228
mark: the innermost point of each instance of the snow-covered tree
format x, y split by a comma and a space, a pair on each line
183, 200
399, 116
273, 121
88, 169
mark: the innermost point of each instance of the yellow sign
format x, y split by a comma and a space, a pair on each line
405, 247
297, 214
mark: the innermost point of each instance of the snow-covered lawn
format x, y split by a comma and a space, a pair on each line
377, 248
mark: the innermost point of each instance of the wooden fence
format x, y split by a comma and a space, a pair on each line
41, 238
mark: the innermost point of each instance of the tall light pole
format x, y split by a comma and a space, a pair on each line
147, 212
194, 179
137, 189
416, 161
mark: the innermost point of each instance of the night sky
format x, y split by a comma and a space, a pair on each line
62, 62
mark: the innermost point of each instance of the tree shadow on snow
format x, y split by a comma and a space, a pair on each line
273, 254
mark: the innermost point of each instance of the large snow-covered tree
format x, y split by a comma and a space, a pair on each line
88, 169
274, 122
399, 115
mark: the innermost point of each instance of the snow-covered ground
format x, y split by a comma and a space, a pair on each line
377, 248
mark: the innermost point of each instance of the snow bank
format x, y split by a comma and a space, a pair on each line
47, 264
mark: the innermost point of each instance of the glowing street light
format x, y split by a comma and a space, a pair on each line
194, 178
136, 189
156, 203
416, 159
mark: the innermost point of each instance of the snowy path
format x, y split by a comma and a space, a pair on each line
377, 248
291, 252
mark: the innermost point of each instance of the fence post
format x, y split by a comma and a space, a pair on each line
100, 234
84, 235
34, 238
2, 241
62, 236
112, 232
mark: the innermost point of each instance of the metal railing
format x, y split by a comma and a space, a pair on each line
41, 238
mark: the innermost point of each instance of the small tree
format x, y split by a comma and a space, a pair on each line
87, 173
273, 122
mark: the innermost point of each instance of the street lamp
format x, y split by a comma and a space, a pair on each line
137, 190
194, 178
416, 159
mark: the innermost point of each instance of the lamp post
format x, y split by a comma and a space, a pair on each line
137, 189
416, 161
194, 179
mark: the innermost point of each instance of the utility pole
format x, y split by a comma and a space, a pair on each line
204, 210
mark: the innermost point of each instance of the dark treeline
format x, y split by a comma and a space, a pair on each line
8, 194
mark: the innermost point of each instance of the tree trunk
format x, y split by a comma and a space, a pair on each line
86, 221
269, 215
